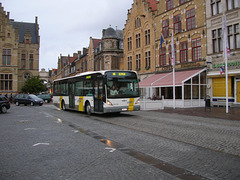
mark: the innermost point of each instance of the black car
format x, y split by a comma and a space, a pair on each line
4, 104
46, 97
28, 99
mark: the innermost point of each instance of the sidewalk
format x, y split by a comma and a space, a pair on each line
214, 112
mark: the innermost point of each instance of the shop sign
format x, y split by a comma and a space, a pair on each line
230, 64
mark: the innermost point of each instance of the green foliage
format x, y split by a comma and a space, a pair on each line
33, 85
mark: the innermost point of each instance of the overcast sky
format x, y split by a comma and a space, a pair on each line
66, 25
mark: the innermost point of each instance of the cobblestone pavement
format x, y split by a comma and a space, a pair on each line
35, 144
213, 112
209, 147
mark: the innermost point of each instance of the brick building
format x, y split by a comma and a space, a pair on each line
139, 38
108, 55
19, 52
181, 20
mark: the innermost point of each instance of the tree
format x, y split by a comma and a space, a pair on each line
33, 85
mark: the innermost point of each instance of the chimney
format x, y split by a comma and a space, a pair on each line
85, 50
75, 55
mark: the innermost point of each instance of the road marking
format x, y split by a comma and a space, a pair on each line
111, 149
29, 129
46, 144
59, 120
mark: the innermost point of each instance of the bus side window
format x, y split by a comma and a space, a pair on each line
87, 88
79, 88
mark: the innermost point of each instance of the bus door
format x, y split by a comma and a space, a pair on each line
71, 95
98, 95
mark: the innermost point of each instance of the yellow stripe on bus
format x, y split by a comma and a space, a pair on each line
80, 106
60, 104
131, 104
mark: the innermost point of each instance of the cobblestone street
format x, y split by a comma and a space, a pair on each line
48, 143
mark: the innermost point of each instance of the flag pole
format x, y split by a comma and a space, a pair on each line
226, 71
173, 64
226, 53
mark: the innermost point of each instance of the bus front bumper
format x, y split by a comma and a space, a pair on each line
120, 109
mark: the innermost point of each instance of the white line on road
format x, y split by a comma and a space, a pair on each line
111, 149
29, 129
46, 144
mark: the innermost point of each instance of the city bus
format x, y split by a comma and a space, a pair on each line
98, 92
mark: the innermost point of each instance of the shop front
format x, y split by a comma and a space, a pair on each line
190, 88
217, 84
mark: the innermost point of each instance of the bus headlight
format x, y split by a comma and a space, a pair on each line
109, 103
138, 101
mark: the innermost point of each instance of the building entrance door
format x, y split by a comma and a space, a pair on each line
238, 91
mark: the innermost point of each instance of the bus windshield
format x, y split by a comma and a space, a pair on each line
122, 85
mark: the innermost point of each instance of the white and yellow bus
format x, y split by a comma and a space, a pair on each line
98, 92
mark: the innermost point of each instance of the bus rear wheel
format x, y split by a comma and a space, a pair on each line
88, 108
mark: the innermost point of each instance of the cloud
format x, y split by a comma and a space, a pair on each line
66, 25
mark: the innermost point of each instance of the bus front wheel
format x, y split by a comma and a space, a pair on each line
88, 108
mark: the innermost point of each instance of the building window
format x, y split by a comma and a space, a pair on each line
130, 43
6, 57
27, 41
184, 52
27, 76
196, 49
217, 40
165, 28
31, 61
177, 23
148, 59
130, 63
233, 36
236, 36
147, 37
23, 61
138, 40
162, 57
182, 1
190, 19
138, 62
6, 81
138, 22
170, 54
9, 35
232, 4
216, 7
169, 4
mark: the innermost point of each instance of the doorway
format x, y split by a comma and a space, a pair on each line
98, 95
71, 95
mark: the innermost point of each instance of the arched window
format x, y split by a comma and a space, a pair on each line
27, 75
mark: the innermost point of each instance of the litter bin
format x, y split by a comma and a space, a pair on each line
207, 102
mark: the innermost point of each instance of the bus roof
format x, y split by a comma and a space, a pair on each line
91, 72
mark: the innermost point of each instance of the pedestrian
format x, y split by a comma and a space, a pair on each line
11, 98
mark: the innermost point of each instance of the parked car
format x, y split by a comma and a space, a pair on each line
28, 99
46, 97
4, 104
